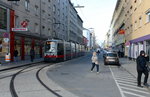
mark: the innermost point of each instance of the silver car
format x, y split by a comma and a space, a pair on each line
111, 58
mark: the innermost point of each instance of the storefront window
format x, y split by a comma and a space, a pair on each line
36, 47
27, 46
3, 47
18, 45
3, 18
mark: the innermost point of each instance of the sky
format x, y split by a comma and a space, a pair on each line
96, 14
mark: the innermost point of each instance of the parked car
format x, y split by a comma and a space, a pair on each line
111, 58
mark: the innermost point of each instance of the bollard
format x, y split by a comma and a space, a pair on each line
7, 57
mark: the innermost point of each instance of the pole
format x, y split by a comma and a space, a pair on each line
40, 29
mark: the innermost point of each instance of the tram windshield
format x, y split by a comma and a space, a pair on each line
50, 47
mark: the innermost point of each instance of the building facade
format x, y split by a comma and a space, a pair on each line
91, 39
133, 17
75, 25
40, 20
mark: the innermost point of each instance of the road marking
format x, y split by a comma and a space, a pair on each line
121, 92
135, 90
119, 81
133, 86
133, 94
126, 78
133, 81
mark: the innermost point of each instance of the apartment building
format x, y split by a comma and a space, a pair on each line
133, 17
33, 22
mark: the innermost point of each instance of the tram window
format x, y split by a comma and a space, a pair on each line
47, 47
60, 49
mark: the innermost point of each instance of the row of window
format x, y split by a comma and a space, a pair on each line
137, 24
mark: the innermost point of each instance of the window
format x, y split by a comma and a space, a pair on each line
36, 27
148, 16
135, 26
49, 31
54, 8
16, 21
36, 9
43, 28
58, 12
140, 21
131, 7
135, 1
3, 18
27, 4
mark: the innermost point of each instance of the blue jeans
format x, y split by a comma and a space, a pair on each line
97, 66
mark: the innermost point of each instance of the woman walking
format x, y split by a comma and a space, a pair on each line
95, 62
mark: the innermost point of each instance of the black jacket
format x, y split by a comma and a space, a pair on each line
15, 53
141, 63
32, 53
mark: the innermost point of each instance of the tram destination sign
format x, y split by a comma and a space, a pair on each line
19, 29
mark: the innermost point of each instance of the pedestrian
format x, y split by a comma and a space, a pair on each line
32, 54
142, 69
98, 52
15, 55
95, 62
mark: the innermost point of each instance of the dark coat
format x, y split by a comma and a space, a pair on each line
32, 53
141, 63
15, 53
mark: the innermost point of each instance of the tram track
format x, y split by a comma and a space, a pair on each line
13, 91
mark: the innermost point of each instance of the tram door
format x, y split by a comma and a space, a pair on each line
60, 51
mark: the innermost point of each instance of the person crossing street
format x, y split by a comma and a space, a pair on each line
95, 62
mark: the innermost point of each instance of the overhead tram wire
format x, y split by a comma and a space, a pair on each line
80, 9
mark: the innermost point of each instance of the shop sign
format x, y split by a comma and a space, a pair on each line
24, 24
19, 29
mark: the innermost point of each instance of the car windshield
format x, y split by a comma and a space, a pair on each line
112, 55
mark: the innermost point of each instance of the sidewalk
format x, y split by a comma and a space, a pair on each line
10, 65
130, 66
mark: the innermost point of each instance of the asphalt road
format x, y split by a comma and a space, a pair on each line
112, 81
75, 76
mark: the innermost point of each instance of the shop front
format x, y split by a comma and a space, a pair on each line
4, 32
142, 43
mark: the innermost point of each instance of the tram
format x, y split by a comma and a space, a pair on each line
58, 50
